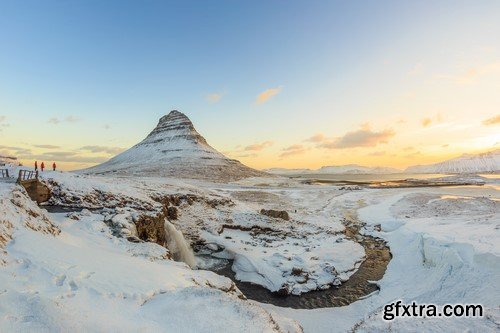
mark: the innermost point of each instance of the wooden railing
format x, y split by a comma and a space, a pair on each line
27, 175
4, 173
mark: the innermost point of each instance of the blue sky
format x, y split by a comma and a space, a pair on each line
100, 73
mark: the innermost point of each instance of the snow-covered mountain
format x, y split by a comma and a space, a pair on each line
349, 169
467, 163
175, 149
355, 169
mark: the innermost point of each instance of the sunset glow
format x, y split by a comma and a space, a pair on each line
317, 83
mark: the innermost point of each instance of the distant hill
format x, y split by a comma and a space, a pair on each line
9, 160
349, 169
467, 163
175, 149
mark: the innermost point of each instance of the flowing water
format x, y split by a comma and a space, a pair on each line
358, 286
178, 246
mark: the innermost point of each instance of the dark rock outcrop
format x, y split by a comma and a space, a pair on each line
279, 214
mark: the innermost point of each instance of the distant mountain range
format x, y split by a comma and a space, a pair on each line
175, 149
467, 163
349, 169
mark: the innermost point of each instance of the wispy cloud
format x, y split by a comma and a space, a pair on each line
320, 137
426, 121
377, 153
72, 119
69, 119
3, 124
103, 149
364, 137
266, 95
293, 150
492, 121
214, 97
47, 146
472, 74
258, 146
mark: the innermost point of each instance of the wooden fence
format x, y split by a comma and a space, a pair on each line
27, 175
4, 173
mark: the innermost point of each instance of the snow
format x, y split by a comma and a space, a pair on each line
61, 272
445, 250
468, 163
175, 148
86, 279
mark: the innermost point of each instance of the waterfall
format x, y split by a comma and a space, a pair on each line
178, 246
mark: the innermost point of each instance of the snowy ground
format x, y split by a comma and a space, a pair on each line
445, 244
73, 275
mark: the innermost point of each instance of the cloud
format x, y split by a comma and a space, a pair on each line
3, 124
293, 150
316, 138
258, 146
47, 146
107, 126
412, 155
69, 119
426, 122
364, 137
377, 153
103, 149
214, 97
247, 155
266, 95
72, 119
472, 74
492, 121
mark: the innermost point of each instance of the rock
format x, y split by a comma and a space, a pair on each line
281, 214
152, 229
172, 213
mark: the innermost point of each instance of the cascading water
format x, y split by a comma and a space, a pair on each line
178, 246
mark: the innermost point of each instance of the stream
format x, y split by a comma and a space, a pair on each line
358, 286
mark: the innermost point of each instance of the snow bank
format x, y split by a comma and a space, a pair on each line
86, 279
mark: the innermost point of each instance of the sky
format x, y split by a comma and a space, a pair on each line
296, 84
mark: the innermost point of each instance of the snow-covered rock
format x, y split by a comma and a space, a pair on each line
58, 274
467, 163
175, 149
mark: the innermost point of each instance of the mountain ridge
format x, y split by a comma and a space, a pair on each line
466, 163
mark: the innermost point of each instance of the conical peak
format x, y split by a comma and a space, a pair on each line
174, 116
174, 126
174, 120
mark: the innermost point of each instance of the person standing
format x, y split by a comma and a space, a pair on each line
36, 165
42, 166
54, 166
